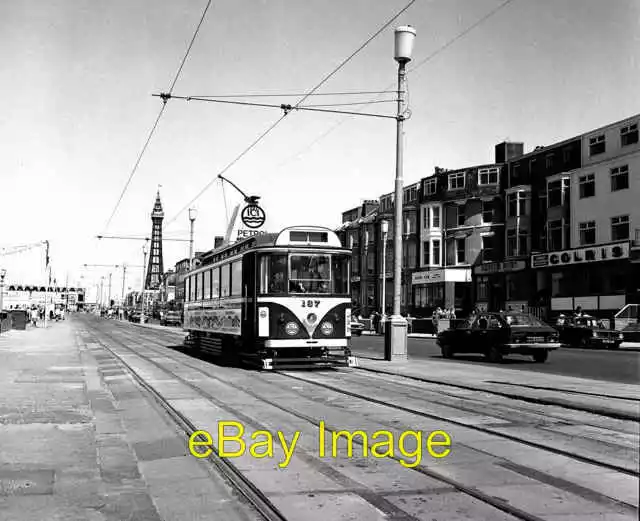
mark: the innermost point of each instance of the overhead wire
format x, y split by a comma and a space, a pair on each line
439, 50
284, 95
161, 112
302, 100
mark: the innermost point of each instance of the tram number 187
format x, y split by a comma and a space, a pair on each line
310, 303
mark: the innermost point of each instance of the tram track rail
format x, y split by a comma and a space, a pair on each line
477, 428
471, 491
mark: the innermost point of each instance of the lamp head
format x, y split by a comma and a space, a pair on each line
404, 37
193, 213
384, 226
3, 272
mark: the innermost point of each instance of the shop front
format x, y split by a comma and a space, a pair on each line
444, 288
599, 279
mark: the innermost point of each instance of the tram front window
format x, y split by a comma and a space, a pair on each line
310, 274
273, 273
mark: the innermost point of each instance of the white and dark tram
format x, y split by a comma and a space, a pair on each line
278, 300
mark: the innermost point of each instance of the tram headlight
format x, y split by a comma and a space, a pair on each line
326, 328
291, 328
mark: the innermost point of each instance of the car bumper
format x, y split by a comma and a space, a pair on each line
531, 347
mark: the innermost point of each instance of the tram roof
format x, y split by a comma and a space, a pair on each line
294, 236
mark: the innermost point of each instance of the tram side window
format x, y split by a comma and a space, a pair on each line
273, 271
187, 289
236, 279
340, 271
310, 274
225, 276
199, 285
207, 285
215, 283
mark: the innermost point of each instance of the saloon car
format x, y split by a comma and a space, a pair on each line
170, 318
496, 335
357, 328
587, 331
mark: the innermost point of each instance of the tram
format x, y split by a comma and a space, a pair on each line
274, 301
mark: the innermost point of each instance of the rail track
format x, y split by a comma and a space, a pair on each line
495, 502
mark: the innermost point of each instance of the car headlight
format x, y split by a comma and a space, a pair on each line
326, 328
594, 334
291, 328
621, 336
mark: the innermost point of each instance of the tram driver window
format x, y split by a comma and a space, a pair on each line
310, 274
273, 274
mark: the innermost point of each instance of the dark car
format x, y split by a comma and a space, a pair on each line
498, 334
171, 318
587, 331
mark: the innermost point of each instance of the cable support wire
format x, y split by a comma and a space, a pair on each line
302, 100
155, 125
284, 94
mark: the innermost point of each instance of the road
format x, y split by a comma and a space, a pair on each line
612, 366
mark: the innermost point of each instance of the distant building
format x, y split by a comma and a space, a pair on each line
20, 296
155, 268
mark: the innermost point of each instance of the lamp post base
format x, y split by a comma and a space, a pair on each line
395, 339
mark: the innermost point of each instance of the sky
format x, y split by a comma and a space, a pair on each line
78, 76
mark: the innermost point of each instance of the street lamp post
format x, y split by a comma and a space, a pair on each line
384, 228
144, 263
3, 274
395, 345
193, 213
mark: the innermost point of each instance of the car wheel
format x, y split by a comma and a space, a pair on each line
615, 346
494, 355
540, 357
583, 343
447, 351
358, 333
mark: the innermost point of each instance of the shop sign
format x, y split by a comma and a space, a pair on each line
582, 255
427, 277
500, 267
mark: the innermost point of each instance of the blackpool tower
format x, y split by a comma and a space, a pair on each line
155, 269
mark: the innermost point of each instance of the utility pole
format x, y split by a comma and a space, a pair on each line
192, 217
101, 297
124, 276
109, 301
144, 263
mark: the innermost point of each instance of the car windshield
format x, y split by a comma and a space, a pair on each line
521, 319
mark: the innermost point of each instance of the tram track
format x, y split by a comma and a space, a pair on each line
477, 428
459, 486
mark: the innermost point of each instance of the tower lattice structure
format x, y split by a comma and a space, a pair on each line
155, 267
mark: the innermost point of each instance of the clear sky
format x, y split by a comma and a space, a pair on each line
77, 78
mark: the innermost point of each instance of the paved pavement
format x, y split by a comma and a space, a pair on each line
104, 450
615, 366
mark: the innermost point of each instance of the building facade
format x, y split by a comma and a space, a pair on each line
19, 296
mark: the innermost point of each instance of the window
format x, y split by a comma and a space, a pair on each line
620, 178
587, 233
460, 253
309, 273
515, 175
236, 279
430, 186
532, 166
225, 272
512, 242
629, 135
426, 257
487, 248
215, 283
456, 181
512, 204
555, 235
596, 145
488, 176
483, 285
435, 216
340, 282
523, 239
554, 193
198, 278
436, 252
620, 228
487, 211
587, 185
425, 218
550, 159
207, 285
460, 215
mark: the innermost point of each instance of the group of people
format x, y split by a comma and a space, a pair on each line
37, 314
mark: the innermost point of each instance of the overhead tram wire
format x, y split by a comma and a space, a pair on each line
286, 113
155, 125
284, 95
420, 64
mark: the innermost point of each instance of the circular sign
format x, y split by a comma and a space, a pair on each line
253, 216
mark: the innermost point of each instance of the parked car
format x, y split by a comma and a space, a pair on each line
170, 318
357, 328
135, 317
496, 335
587, 331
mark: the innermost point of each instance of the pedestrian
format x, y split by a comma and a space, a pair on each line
34, 317
578, 312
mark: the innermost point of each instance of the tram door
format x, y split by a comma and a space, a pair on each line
249, 307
